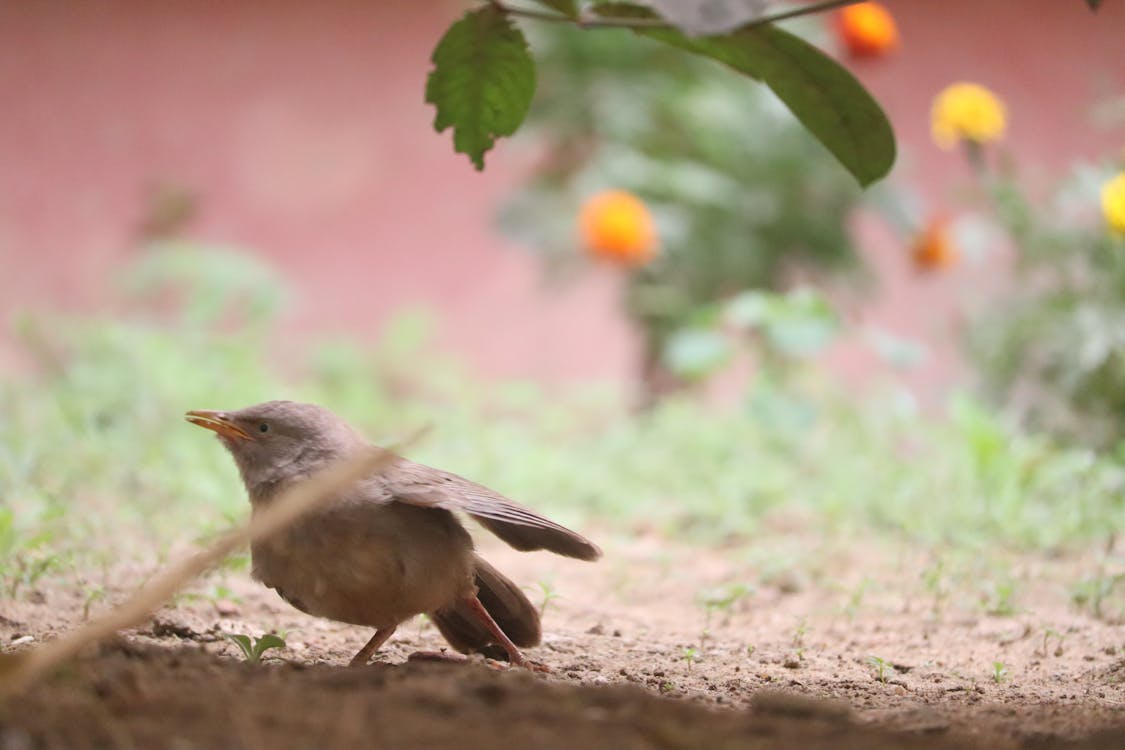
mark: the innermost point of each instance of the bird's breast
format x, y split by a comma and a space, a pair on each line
377, 565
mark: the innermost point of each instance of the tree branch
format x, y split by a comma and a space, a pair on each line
595, 22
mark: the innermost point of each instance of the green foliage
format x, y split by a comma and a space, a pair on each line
781, 329
722, 600
731, 178
25, 554
482, 82
254, 648
96, 462
1053, 352
484, 78
1096, 591
827, 99
883, 668
549, 594
999, 598
999, 672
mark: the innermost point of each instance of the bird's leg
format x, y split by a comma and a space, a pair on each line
514, 655
377, 640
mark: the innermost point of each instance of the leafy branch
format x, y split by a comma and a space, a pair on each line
483, 78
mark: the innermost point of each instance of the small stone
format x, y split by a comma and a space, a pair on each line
596, 630
22, 640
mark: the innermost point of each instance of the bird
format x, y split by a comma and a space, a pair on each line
391, 547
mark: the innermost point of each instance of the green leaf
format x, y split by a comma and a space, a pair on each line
244, 645
822, 94
748, 310
265, 643
696, 353
568, 8
482, 82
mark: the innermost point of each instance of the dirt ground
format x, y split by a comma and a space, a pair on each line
855, 646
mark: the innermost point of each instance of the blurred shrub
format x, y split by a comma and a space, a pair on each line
742, 195
1054, 350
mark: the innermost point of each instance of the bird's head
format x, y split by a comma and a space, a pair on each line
277, 441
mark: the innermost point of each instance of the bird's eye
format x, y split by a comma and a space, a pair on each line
263, 427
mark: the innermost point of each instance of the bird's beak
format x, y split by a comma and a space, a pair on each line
217, 421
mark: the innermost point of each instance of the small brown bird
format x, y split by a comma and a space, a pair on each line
390, 548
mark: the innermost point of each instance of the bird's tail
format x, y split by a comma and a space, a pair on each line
507, 604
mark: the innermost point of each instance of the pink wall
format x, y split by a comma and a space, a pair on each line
302, 129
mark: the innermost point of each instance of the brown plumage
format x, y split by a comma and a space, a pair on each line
392, 547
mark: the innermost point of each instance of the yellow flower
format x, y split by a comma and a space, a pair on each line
616, 226
1113, 203
967, 111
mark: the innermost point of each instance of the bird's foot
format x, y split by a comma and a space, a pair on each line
534, 666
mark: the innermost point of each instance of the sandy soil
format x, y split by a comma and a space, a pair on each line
786, 654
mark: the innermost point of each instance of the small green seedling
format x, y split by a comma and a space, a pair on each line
1093, 592
722, 600
1048, 634
254, 648
799, 634
999, 672
933, 578
549, 594
691, 655
1000, 598
96, 594
883, 668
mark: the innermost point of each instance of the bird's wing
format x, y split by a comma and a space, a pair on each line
521, 527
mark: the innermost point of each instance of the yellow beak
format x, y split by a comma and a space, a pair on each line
217, 421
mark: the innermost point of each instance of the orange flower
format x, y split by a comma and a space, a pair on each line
616, 226
867, 30
933, 247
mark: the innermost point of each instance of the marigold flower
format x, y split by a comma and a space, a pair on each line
933, 247
616, 226
967, 112
1113, 203
867, 30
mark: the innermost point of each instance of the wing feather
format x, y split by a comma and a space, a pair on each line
519, 526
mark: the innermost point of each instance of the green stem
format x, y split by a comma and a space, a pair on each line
656, 23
